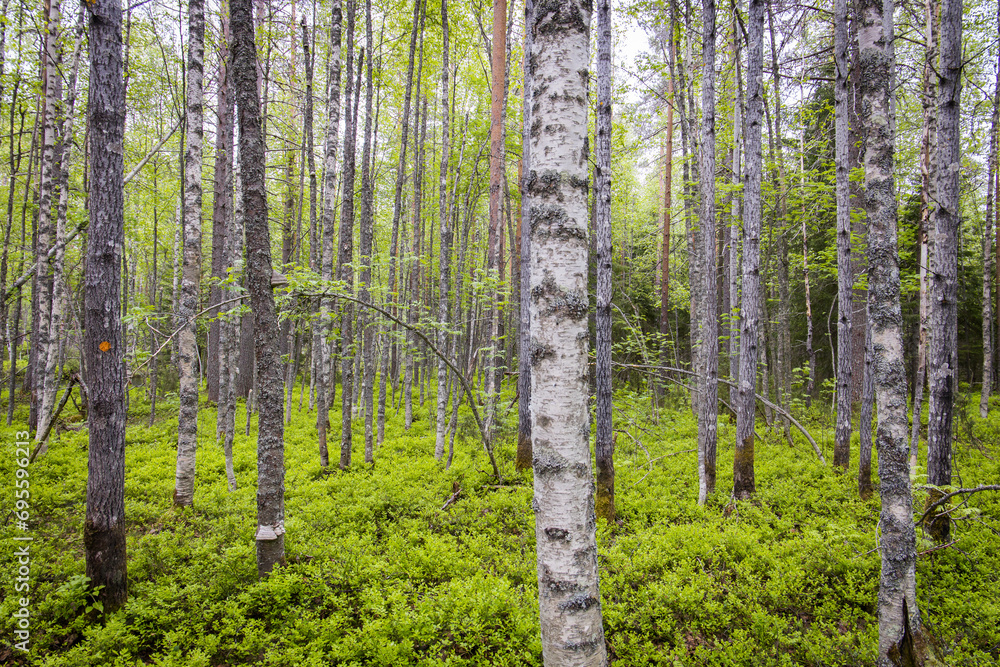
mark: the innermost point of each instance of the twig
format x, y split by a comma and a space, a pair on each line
453, 498
943, 499
937, 548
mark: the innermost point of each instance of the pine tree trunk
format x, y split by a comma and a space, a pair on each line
845, 281
104, 529
708, 324
744, 484
187, 428
943, 353
270, 430
899, 617
493, 252
569, 599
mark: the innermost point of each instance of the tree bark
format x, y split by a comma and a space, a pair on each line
899, 616
744, 484
104, 346
328, 221
187, 427
569, 597
988, 233
708, 324
345, 258
845, 280
445, 236
524, 453
605, 444
367, 234
271, 428
943, 353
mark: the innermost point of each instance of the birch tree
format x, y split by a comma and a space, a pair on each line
187, 424
708, 324
444, 222
569, 596
899, 616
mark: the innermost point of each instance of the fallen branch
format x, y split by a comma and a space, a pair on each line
55, 415
779, 410
943, 499
17, 284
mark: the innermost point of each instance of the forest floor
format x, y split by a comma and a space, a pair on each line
380, 572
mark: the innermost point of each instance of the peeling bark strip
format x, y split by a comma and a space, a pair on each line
271, 428
569, 597
104, 530
845, 280
943, 353
187, 427
744, 483
899, 617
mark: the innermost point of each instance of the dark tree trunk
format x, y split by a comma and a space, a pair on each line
271, 429
104, 345
845, 280
523, 458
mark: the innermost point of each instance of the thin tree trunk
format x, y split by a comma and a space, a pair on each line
367, 233
736, 228
345, 258
524, 450
104, 529
865, 422
604, 444
842, 439
270, 430
708, 325
943, 353
744, 484
899, 617
325, 387
397, 210
445, 245
569, 597
222, 223
493, 251
988, 351
187, 428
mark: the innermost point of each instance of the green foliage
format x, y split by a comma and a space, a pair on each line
379, 574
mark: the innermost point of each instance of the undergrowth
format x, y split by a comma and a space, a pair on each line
379, 572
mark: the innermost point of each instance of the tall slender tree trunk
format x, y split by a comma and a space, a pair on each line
605, 444
444, 222
899, 616
493, 252
708, 325
271, 428
222, 224
865, 422
943, 353
366, 238
736, 228
104, 347
845, 281
988, 233
43, 387
187, 428
346, 255
569, 597
328, 221
744, 484
397, 211
668, 175
928, 142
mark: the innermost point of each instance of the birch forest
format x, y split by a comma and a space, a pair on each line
549, 332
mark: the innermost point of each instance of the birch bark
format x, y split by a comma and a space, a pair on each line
569, 598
